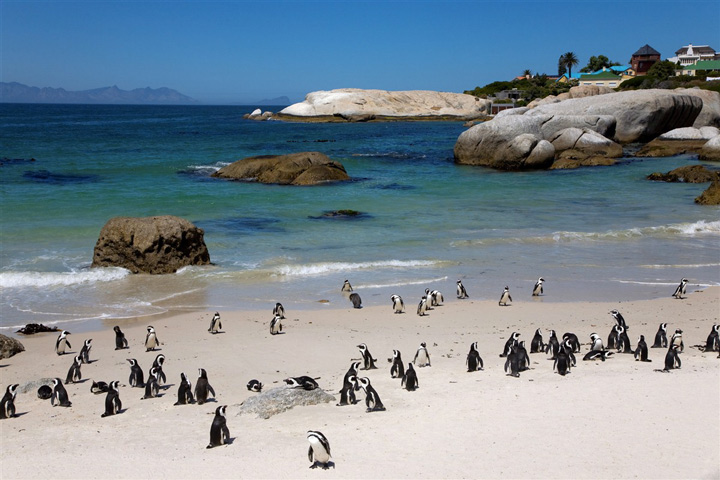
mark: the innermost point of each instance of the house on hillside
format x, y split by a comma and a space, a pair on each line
601, 78
692, 54
701, 68
643, 59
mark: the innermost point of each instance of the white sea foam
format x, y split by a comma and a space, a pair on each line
402, 284
333, 267
51, 279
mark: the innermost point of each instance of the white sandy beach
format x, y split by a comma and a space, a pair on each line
613, 419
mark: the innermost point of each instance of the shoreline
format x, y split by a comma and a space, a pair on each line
433, 432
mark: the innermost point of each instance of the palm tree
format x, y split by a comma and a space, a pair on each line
527, 74
569, 60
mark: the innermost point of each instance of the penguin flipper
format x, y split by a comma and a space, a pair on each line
210, 389
310, 454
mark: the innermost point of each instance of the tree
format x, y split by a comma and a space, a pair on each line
569, 59
662, 70
598, 63
527, 74
562, 69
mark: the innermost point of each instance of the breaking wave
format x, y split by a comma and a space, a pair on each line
333, 267
52, 279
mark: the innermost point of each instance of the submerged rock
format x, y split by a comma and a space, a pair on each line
281, 399
154, 245
32, 328
9, 346
686, 174
304, 168
711, 196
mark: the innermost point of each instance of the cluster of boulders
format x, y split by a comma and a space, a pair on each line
258, 115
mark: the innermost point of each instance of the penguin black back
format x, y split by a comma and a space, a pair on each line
203, 387
120, 341
410, 380
219, 432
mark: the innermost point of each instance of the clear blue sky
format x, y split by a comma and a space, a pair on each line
243, 51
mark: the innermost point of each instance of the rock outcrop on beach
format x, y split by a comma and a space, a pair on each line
303, 168
579, 91
9, 346
354, 104
281, 399
686, 174
711, 150
153, 245
678, 141
624, 117
711, 196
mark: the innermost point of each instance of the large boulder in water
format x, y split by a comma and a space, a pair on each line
711, 196
154, 245
304, 168
9, 346
711, 150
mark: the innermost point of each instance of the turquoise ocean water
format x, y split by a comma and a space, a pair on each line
601, 233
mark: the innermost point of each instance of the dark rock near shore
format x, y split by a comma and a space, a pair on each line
687, 174
670, 148
9, 346
32, 328
281, 399
304, 168
153, 245
711, 196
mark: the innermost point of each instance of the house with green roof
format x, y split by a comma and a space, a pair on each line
702, 67
601, 78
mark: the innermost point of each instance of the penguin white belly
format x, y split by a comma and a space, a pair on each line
319, 452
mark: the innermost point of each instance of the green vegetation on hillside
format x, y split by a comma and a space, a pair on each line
539, 86
662, 75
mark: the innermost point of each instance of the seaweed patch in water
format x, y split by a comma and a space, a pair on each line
342, 215
45, 176
244, 225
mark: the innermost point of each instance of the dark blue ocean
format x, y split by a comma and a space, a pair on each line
602, 233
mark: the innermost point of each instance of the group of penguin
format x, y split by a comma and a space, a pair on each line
517, 360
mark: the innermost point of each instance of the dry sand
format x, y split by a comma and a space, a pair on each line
613, 419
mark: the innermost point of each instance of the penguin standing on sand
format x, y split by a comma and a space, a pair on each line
368, 360
276, 325
137, 378
523, 357
553, 345
113, 405
641, 351
672, 359
538, 288
215, 323
397, 370
347, 392
537, 345
319, 450
596, 343
505, 297
474, 361
185, 396
151, 339
623, 341
356, 300
202, 387
398, 304
461, 292
436, 298
85, 351
372, 399
346, 287
74, 375
409, 380
428, 300
712, 343
158, 364
279, 310
59, 395
562, 361
574, 341
219, 432
120, 340
677, 340
422, 356
512, 362
152, 389
661, 340
680, 290
619, 319
422, 306
7, 404
511, 341
61, 344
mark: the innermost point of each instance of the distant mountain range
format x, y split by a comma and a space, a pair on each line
14, 92
273, 101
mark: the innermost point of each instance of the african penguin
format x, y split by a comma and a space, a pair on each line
474, 361
346, 287
409, 380
553, 345
113, 405
151, 340
428, 300
279, 310
537, 345
219, 432
623, 341
372, 399
538, 288
73, 374
661, 340
461, 292
680, 290
397, 370
422, 306
59, 395
574, 341
85, 351
202, 387
596, 342
422, 356
99, 387
254, 385
304, 382
511, 341
505, 297
347, 392
612, 336
677, 340
7, 404
398, 304
158, 364
619, 319
512, 362
356, 301
712, 343
215, 323
436, 298
672, 359
319, 450
597, 349
151, 386
562, 360
641, 351
523, 357
137, 378
368, 360
276, 325
62, 342
185, 396
120, 340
